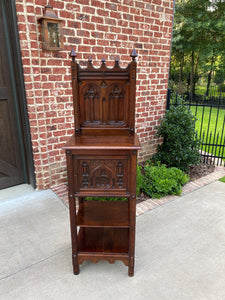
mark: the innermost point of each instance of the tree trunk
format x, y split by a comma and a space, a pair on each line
181, 67
209, 76
208, 82
195, 74
192, 75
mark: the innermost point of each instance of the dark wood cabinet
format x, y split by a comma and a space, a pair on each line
101, 162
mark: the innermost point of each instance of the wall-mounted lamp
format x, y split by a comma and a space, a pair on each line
52, 35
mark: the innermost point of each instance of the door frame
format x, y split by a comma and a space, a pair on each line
16, 70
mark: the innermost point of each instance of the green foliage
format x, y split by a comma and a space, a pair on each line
198, 39
180, 146
222, 179
160, 181
180, 88
105, 199
139, 185
221, 88
220, 71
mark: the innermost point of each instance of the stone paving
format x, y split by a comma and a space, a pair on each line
179, 249
62, 192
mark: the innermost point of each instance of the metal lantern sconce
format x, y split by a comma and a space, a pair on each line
52, 35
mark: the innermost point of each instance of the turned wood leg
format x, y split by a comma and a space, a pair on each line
76, 268
131, 267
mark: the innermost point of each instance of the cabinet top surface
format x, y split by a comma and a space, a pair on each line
125, 142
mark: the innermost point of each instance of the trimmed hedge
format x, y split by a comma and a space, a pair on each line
160, 181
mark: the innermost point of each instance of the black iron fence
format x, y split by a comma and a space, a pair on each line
210, 125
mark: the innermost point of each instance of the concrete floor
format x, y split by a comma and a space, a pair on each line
180, 251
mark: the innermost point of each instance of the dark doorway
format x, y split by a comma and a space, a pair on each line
16, 163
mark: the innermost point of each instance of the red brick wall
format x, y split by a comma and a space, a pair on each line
94, 28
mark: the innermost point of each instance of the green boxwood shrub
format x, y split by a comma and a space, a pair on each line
139, 184
180, 145
160, 181
105, 199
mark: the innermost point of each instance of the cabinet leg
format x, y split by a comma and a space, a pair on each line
131, 271
131, 267
76, 268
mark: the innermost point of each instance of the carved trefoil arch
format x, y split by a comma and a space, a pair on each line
91, 105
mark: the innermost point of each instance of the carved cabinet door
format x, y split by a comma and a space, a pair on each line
101, 174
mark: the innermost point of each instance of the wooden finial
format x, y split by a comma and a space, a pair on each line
73, 54
117, 61
133, 54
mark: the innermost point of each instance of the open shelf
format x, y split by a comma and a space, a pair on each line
103, 214
103, 240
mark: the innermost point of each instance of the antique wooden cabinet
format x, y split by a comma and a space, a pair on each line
101, 162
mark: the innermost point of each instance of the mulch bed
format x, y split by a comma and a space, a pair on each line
200, 170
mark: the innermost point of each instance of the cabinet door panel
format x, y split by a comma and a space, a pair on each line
95, 174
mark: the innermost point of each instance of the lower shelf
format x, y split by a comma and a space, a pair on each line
103, 240
103, 214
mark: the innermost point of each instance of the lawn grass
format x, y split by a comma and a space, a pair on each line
212, 129
209, 114
201, 90
222, 179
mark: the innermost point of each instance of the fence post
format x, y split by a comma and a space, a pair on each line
168, 99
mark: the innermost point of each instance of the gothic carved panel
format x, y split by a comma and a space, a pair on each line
102, 177
103, 84
104, 104
103, 174
116, 98
90, 109
85, 174
119, 174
